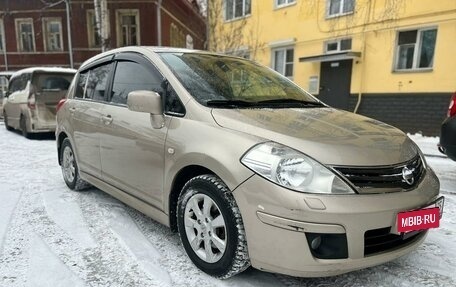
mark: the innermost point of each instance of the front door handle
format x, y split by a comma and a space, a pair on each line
107, 119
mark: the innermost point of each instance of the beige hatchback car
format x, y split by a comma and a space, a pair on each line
32, 96
249, 169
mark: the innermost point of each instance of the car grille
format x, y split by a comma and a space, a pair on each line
380, 240
383, 178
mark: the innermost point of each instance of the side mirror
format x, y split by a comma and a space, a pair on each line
147, 102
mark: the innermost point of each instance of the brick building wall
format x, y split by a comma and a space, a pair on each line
180, 14
411, 112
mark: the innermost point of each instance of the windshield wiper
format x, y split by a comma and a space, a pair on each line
230, 103
292, 101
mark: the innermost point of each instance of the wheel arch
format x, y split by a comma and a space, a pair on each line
60, 138
183, 175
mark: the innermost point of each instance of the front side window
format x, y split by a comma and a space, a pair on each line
283, 61
127, 28
53, 34
237, 9
218, 81
19, 83
415, 49
96, 86
25, 35
340, 7
131, 76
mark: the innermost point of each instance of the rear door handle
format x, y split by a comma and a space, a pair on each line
72, 110
107, 119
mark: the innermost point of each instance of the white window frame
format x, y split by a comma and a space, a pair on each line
234, 10
46, 21
18, 23
338, 42
91, 29
340, 12
285, 48
127, 12
2, 36
286, 4
417, 51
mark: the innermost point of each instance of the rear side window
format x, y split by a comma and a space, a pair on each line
81, 85
96, 86
131, 76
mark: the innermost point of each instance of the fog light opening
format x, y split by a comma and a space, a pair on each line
315, 243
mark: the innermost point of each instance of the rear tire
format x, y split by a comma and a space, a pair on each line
5, 120
70, 170
211, 228
23, 125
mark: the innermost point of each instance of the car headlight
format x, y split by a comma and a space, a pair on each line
294, 170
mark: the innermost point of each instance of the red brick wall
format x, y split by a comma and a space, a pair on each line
182, 13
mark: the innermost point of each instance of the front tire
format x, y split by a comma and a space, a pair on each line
70, 168
211, 228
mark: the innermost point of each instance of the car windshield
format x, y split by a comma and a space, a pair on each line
230, 82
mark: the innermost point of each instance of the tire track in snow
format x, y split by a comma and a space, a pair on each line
45, 267
110, 264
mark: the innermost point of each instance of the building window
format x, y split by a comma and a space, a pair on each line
52, 28
2, 36
283, 61
25, 35
340, 7
177, 37
283, 3
128, 28
415, 49
92, 30
235, 9
339, 45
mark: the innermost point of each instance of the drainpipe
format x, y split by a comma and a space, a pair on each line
159, 29
5, 56
70, 45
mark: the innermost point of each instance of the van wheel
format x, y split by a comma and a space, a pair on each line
70, 169
5, 120
211, 228
23, 125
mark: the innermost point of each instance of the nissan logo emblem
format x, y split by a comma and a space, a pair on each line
407, 175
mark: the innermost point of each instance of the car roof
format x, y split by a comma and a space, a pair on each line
144, 50
43, 69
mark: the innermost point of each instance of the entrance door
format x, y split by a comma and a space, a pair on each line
335, 78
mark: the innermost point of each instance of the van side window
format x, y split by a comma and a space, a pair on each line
131, 76
19, 83
97, 83
81, 85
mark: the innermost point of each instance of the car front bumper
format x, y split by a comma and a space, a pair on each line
279, 225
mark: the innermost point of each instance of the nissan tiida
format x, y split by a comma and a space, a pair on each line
247, 167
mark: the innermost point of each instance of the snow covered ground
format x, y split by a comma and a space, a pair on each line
51, 236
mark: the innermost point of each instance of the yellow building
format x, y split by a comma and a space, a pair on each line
393, 60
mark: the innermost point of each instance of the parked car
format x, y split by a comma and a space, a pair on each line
4, 78
249, 168
32, 96
448, 131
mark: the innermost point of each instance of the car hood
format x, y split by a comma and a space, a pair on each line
331, 136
